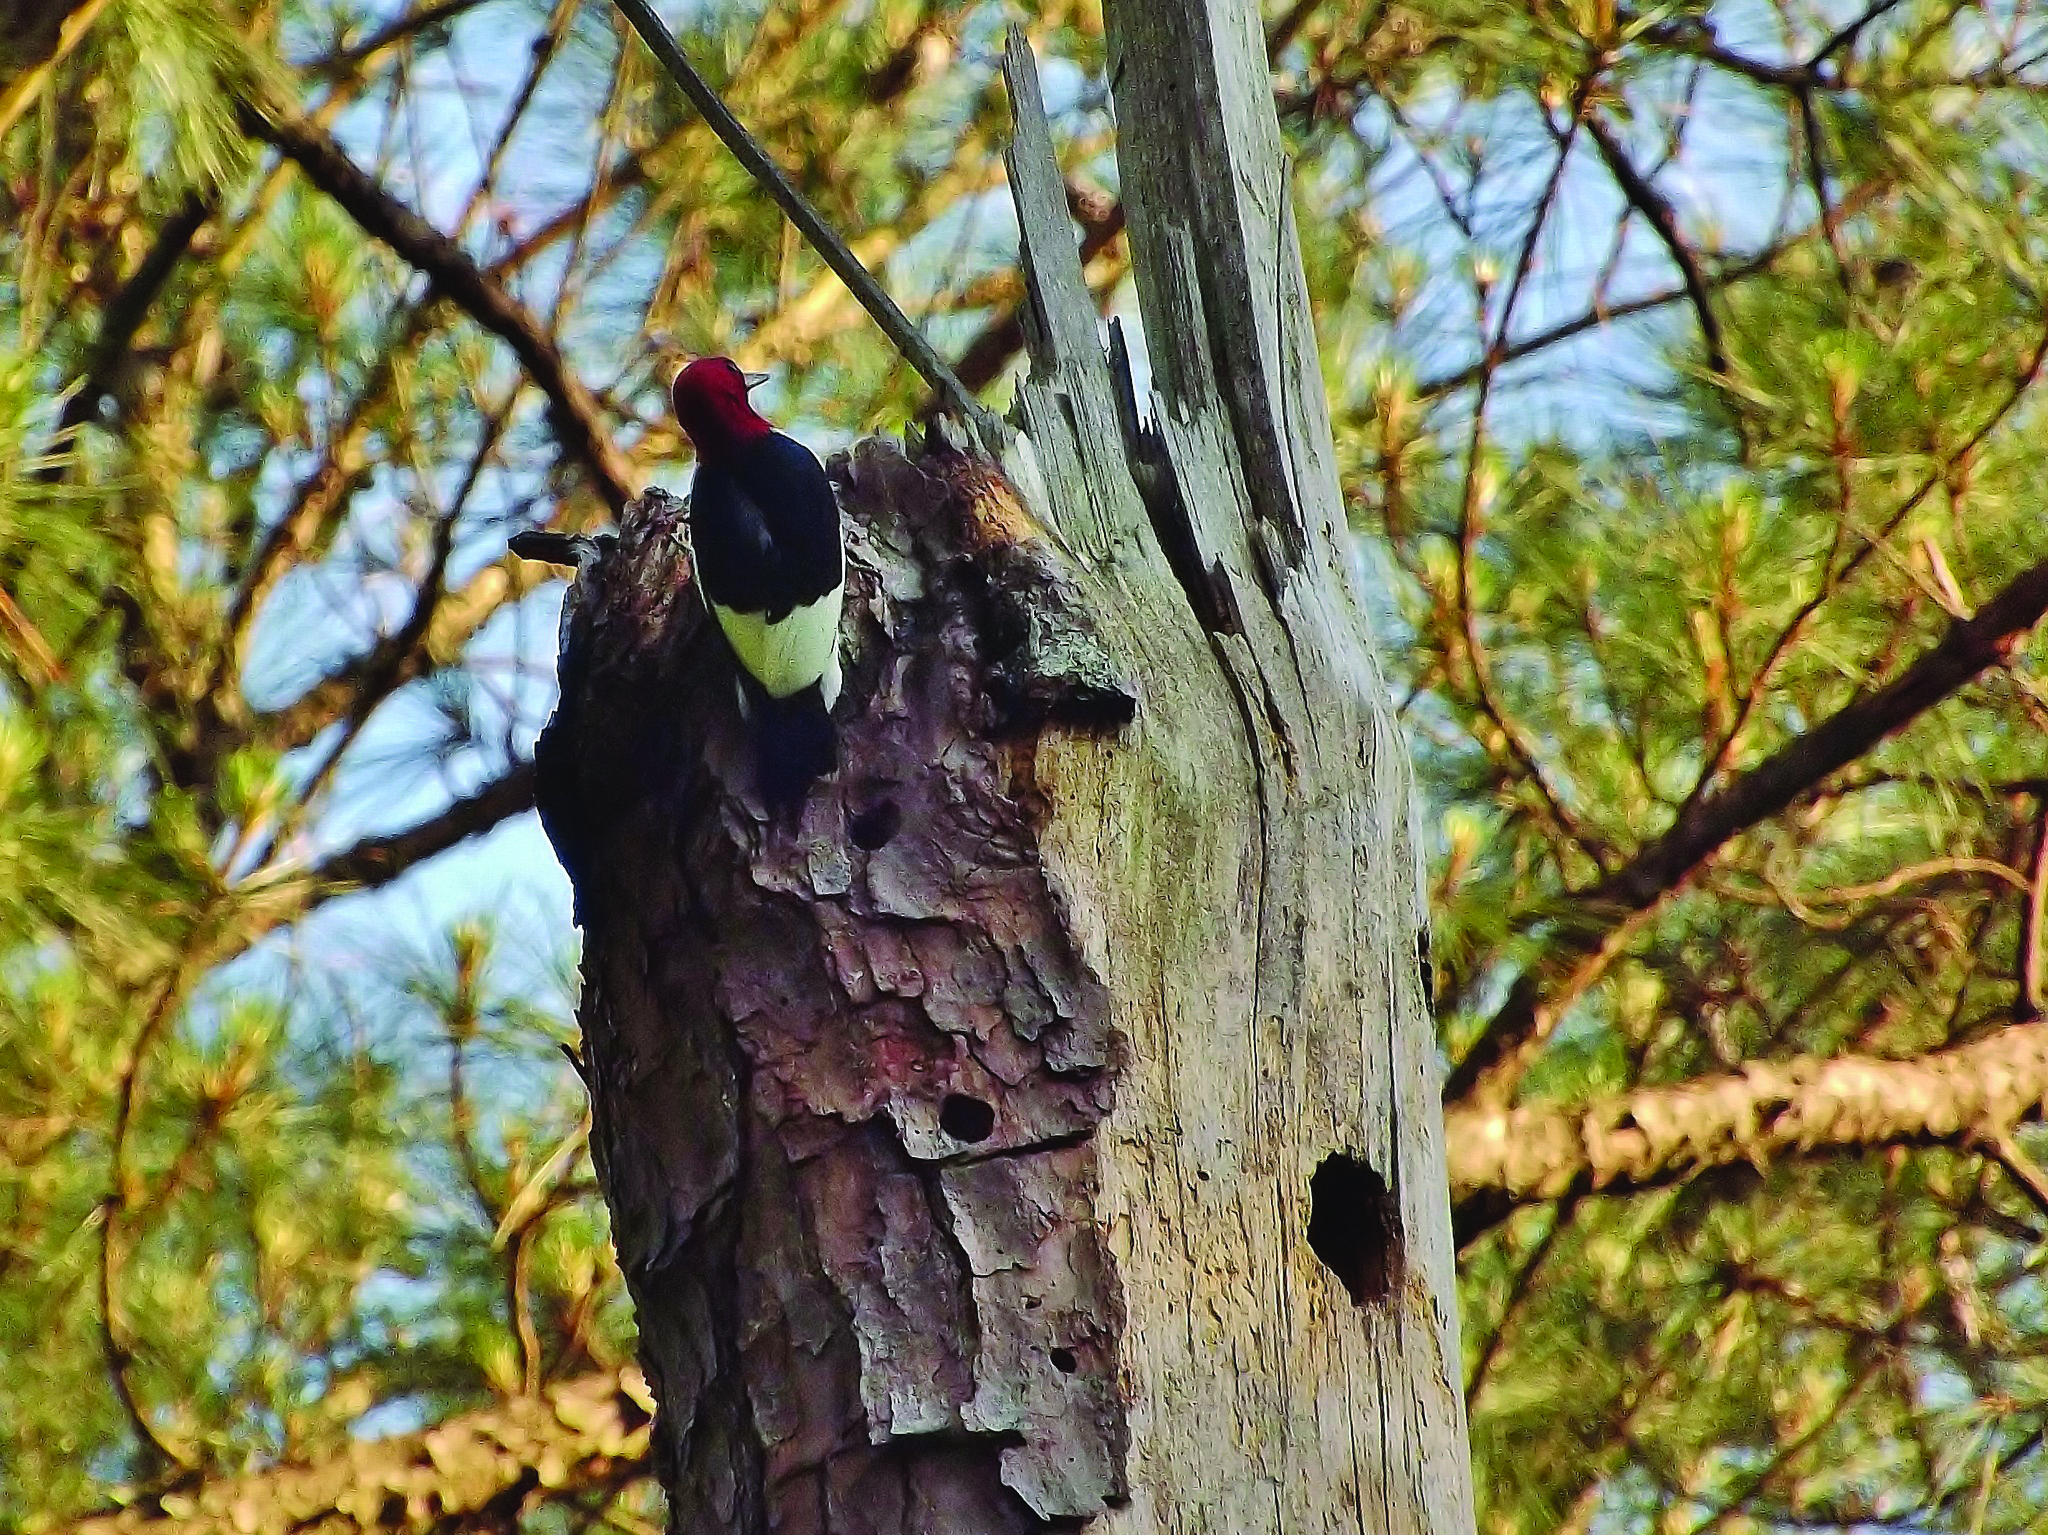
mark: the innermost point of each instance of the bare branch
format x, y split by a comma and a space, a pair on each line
574, 412
123, 1194
908, 340
353, 59
1602, 313
379, 860
1472, 513
1663, 218
1847, 34
124, 316
1969, 646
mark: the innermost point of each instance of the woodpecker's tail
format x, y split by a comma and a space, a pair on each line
794, 744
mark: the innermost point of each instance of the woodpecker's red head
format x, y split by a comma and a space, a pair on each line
710, 398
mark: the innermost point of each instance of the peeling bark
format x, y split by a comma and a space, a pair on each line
845, 1071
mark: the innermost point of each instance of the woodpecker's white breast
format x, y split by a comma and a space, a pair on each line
787, 657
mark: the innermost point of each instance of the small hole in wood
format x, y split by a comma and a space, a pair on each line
1064, 1361
873, 827
966, 1119
1354, 1226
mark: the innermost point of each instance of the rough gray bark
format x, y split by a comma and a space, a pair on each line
1044, 1130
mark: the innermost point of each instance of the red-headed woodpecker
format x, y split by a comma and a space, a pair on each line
764, 528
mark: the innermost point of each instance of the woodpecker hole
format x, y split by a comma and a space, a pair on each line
1064, 1361
873, 827
1355, 1228
966, 1119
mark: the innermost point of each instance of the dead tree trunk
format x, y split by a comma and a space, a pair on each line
1043, 1131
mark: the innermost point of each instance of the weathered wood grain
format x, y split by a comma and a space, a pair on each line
1242, 868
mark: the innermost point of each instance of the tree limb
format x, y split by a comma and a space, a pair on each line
125, 313
573, 410
379, 860
1709, 823
475, 1471
1662, 1135
908, 340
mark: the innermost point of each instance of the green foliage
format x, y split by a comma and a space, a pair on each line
325, 1158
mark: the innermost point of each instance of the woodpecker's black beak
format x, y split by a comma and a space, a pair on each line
755, 380
548, 547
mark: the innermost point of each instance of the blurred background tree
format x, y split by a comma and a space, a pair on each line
1684, 362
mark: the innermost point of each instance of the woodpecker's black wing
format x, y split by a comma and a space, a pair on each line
765, 529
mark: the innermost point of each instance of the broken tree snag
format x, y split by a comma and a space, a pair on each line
1241, 867
962, 1134
847, 1069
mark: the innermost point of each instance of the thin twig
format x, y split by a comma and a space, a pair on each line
1848, 33
114, 1204
1663, 219
1602, 314
350, 60
388, 665
1472, 515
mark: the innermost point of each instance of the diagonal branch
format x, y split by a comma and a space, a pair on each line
360, 56
379, 860
127, 310
1656, 208
477, 1471
1708, 824
573, 410
1852, 203
1661, 1135
1969, 646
